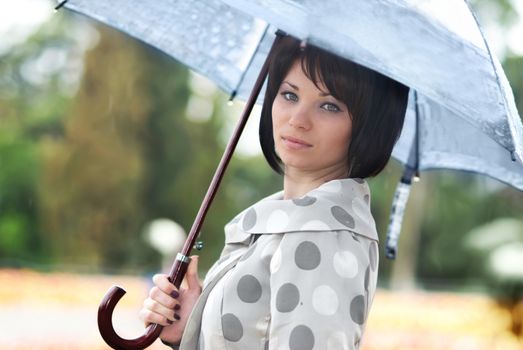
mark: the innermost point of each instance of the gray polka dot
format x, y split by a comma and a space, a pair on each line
249, 289
367, 278
232, 328
249, 220
357, 309
305, 201
355, 237
342, 216
301, 338
359, 180
307, 256
366, 198
373, 253
287, 297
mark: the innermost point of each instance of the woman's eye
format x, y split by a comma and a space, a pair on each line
289, 96
330, 107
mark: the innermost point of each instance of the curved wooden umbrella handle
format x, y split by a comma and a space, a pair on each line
105, 324
113, 296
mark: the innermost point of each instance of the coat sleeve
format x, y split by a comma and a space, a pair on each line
321, 287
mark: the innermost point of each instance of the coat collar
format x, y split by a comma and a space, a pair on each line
335, 205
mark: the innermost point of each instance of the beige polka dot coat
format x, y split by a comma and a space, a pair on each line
306, 283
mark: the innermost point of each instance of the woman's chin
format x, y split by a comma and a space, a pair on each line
300, 165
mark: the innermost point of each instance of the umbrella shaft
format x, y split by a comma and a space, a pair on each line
218, 175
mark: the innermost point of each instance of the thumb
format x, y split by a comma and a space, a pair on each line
193, 281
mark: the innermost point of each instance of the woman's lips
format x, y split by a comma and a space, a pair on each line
295, 143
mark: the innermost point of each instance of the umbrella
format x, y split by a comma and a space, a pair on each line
461, 112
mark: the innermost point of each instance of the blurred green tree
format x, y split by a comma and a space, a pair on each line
32, 100
90, 183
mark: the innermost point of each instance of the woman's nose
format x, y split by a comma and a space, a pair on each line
300, 118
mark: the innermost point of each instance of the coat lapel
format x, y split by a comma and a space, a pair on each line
336, 205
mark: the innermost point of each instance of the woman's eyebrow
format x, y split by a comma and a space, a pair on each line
291, 85
295, 87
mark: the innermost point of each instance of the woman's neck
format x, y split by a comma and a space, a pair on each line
297, 183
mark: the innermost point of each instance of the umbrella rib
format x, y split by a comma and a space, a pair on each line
416, 145
235, 91
505, 102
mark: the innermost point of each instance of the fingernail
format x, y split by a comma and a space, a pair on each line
169, 322
176, 316
177, 307
175, 294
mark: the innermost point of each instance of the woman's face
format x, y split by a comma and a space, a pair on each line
311, 128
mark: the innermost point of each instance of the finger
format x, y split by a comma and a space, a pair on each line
148, 317
193, 281
161, 310
162, 282
163, 298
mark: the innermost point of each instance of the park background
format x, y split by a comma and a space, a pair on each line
100, 136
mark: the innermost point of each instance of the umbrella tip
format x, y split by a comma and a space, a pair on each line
59, 6
231, 98
391, 253
303, 44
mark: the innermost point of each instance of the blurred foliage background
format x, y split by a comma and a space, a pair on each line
100, 135
97, 140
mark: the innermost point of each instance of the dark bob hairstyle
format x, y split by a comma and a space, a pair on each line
377, 104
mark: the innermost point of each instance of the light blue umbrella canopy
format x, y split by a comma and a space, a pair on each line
461, 113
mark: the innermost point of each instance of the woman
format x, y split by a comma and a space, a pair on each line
299, 268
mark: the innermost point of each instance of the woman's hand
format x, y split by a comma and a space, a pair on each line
170, 307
